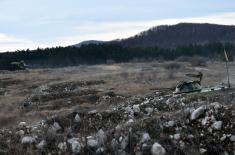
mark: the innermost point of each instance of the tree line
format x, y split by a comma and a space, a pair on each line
102, 53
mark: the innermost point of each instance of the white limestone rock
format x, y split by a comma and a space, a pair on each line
92, 142
197, 113
77, 118
170, 124
56, 127
217, 125
202, 150
22, 124
62, 146
136, 108
75, 145
149, 110
177, 136
28, 140
232, 138
145, 138
157, 149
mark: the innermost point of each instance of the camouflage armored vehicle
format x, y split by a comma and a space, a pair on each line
17, 66
188, 87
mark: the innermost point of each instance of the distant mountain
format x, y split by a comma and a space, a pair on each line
170, 36
181, 34
89, 42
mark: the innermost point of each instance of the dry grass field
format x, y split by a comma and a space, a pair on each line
124, 79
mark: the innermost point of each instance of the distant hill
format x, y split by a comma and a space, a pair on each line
166, 36
89, 42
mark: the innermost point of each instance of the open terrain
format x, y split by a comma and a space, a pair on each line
82, 109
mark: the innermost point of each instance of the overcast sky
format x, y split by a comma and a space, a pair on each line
46, 23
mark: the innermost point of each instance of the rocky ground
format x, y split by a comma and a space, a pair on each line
77, 117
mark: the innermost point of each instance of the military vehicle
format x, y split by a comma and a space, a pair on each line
190, 86
17, 66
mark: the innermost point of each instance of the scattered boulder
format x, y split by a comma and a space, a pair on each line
157, 149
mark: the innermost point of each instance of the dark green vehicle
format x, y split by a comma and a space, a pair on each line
17, 66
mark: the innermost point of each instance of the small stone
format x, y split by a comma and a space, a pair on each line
27, 140
124, 143
170, 124
157, 149
149, 110
130, 121
101, 137
177, 136
210, 130
100, 151
202, 150
232, 138
190, 136
22, 124
92, 142
62, 146
145, 138
205, 120
75, 145
217, 125
77, 118
92, 112
223, 138
114, 144
56, 127
136, 108
20, 132
197, 113
182, 144
41, 145
146, 148
129, 111
216, 105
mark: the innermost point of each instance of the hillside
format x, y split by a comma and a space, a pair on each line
181, 34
